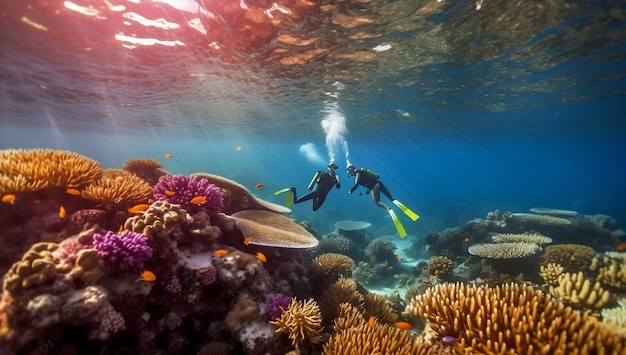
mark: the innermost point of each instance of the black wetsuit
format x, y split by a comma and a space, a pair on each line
325, 182
370, 180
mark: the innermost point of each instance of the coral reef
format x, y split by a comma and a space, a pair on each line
302, 320
150, 170
381, 250
572, 257
534, 238
342, 291
550, 273
504, 250
480, 319
376, 306
183, 190
117, 186
124, 251
577, 290
440, 266
36, 267
333, 265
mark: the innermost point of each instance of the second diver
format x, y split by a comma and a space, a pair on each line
370, 180
325, 182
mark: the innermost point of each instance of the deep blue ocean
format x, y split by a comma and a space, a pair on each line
457, 123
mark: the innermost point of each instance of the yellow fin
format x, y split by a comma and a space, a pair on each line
412, 215
396, 222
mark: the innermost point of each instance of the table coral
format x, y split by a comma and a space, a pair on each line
273, 229
181, 190
510, 319
535, 238
128, 250
504, 250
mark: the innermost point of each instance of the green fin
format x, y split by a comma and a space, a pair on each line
289, 195
412, 215
396, 222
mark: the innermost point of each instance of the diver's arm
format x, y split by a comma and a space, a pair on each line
356, 183
337, 183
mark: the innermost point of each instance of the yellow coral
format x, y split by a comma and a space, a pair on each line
348, 316
36, 267
510, 319
302, 321
550, 273
380, 338
611, 270
576, 289
376, 305
615, 318
148, 169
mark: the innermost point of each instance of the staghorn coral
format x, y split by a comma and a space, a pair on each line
365, 339
504, 250
273, 229
124, 251
333, 265
28, 170
238, 198
577, 290
550, 273
440, 265
181, 190
376, 305
302, 321
118, 186
510, 319
573, 257
342, 291
148, 169
534, 238
36, 267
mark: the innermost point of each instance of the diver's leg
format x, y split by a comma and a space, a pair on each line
376, 196
385, 191
321, 197
306, 197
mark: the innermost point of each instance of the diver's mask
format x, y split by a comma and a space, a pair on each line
351, 170
332, 166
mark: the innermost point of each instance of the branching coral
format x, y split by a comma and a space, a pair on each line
504, 250
550, 273
611, 270
348, 316
376, 305
118, 186
302, 321
510, 319
573, 257
184, 191
128, 250
273, 229
333, 265
578, 290
440, 265
534, 238
342, 291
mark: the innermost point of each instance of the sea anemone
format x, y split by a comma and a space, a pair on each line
185, 191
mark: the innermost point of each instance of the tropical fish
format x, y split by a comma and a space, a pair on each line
238, 148
621, 246
147, 275
404, 326
169, 193
8, 198
74, 192
139, 208
466, 239
259, 185
449, 339
371, 321
120, 229
220, 252
397, 256
62, 212
168, 155
247, 240
261, 257
198, 200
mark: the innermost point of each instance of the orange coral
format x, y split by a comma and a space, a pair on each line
118, 186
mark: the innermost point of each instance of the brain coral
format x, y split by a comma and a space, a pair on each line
182, 190
510, 319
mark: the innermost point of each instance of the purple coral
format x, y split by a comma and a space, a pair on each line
123, 251
180, 190
273, 305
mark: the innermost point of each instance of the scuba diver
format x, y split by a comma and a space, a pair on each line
370, 180
325, 182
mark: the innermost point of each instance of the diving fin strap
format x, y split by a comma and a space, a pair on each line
412, 215
289, 195
396, 222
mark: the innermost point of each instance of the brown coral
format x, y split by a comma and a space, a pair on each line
365, 339
273, 229
36, 267
376, 305
334, 265
161, 220
348, 316
28, 170
118, 186
148, 169
302, 321
342, 291
573, 257
510, 319
577, 290
440, 265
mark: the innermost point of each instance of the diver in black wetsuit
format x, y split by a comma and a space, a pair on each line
325, 182
370, 180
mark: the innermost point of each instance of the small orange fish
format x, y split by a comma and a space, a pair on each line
203, 270
74, 192
371, 321
198, 200
138, 208
120, 229
247, 240
8, 198
620, 246
238, 148
466, 239
404, 326
397, 256
220, 252
119, 178
261, 257
259, 185
436, 272
168, 155
147, 275
62, 212
169, 193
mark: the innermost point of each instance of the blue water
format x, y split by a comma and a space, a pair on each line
456, 127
